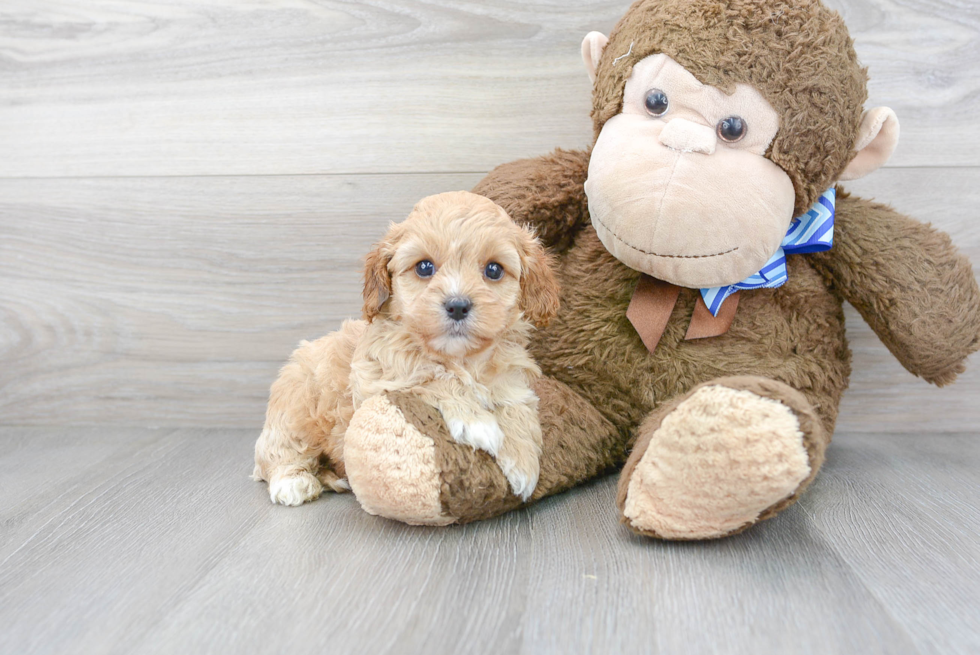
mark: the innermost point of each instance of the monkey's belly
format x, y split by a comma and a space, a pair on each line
794, 334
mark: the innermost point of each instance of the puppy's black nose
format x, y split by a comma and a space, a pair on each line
458, 308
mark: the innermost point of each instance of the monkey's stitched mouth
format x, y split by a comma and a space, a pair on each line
655, 254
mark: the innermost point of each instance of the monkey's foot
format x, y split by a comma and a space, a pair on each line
722, 457
403, 464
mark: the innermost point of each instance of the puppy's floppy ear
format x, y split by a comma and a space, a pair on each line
377, 278
539, 287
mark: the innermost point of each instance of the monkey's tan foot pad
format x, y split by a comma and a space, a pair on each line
717, 460
403, 464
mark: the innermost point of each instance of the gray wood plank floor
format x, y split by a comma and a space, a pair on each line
156, 541
187, 189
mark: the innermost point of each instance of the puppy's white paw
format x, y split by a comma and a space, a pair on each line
484, 435
522, 480
295, 489
456, 428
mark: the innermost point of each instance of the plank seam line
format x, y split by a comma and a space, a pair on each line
363, 174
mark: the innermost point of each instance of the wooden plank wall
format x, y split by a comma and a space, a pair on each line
186, 188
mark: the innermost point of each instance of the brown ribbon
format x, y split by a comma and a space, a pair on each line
653, 301
704, 325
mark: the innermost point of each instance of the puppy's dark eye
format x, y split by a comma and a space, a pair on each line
732, 129
494, 271
425, 268
656, 102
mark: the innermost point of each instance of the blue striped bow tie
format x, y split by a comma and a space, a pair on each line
811, 232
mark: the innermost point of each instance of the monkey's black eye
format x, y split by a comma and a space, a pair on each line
656, 102
425, 268
732, 129
494, 271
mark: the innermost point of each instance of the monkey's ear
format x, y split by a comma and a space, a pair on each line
377, 280
592, 46
876, 141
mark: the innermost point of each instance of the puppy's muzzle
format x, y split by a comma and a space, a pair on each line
458, 308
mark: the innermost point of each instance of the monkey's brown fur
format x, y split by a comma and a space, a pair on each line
602, 389
604, 382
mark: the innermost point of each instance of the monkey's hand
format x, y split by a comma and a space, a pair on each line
909, 282
403, 463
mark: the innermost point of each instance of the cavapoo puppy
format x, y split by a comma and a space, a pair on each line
449, 298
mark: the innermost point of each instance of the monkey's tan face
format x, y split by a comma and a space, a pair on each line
679, 186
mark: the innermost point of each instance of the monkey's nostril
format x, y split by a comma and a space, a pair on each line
458, 308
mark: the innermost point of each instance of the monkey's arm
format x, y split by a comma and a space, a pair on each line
546, 193
909, 282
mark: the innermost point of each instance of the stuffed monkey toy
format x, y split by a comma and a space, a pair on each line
704, 252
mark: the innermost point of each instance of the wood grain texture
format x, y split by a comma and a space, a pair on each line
106, 88
878, 505
186, 191
173, 301
159, 543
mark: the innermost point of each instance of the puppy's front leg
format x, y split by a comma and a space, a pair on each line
471, 425
520, 453
511, 434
